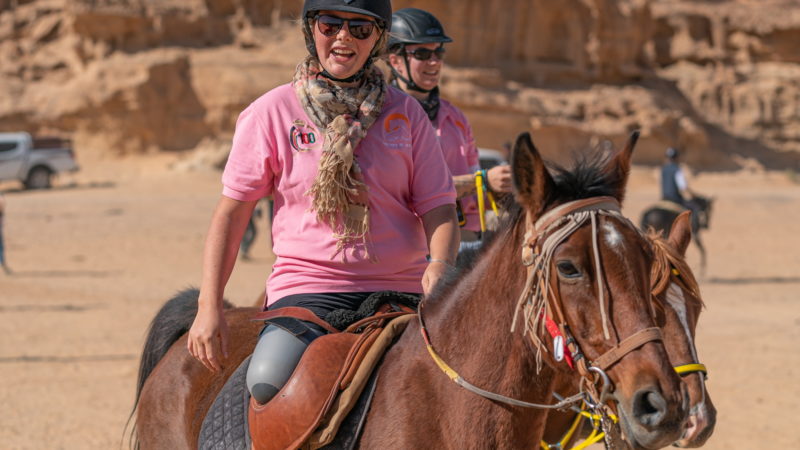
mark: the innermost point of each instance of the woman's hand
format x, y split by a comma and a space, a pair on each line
441, 229
499, 178
433, 273
208, 338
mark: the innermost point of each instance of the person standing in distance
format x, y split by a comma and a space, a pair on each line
5, 267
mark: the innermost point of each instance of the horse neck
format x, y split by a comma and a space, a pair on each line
471, 329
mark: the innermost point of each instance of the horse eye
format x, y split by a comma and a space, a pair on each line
567, 269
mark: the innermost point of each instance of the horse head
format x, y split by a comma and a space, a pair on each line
588, 276
676, 291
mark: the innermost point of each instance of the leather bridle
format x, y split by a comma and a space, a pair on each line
539, 300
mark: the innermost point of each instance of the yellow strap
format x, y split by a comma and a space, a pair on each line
593, 438
596, 435
481, 204
689, 368
442, 365
568, 435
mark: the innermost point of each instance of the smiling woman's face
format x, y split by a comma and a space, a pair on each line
426, 74
341, 54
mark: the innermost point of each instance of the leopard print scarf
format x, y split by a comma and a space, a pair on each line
340, 196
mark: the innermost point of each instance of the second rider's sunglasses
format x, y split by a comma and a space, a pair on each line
424, 54
358, 28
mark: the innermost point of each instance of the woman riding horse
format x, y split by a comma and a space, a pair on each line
362, 193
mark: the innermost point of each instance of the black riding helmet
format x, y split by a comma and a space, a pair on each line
380, 10
671, 153
414, 26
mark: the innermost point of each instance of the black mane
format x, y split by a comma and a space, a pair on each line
587, 178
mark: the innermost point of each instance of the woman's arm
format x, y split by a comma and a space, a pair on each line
441, 229
465, 184
208, 337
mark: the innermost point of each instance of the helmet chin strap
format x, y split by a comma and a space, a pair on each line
355, 77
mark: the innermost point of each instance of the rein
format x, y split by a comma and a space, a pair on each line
557, 225
459, 380
481, 186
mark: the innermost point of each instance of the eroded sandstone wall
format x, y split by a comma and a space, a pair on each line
717, 78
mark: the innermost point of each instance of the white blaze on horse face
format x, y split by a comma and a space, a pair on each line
612, 236
677, 302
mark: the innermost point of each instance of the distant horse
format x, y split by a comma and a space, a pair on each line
661, 216
677, 295
583, 267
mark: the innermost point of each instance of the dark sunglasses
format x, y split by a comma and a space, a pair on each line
424, 54
358, 28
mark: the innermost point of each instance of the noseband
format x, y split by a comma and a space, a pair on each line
539, 299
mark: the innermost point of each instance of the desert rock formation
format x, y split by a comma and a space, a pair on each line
719, 79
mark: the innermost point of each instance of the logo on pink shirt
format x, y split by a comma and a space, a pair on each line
302, 137
398, 131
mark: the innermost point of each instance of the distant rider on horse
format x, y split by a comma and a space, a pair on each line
674, 187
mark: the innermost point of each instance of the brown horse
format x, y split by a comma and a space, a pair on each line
677, 295
598, 297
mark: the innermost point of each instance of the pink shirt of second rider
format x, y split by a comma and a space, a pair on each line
460, 154
276, 150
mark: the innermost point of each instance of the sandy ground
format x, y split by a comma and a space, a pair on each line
97, 256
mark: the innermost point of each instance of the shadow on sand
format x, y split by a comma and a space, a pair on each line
63, 273
65, 307
63, 187
754, 280
65, 359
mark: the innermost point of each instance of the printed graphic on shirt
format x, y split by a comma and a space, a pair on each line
398, 131
302, 136
463, 127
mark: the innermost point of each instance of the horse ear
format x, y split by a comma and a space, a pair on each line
681, 232
532, 181
620, 166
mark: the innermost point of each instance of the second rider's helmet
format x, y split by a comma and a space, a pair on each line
414, 26
671, 153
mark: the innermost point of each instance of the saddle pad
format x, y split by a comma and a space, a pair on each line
350, 430
225, 425
350, 395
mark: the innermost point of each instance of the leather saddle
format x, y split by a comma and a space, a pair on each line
327, 382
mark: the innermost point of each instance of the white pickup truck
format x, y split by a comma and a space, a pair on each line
34, 161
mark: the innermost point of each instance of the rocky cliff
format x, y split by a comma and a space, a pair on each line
720, 79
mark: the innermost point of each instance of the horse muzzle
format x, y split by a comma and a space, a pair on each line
650, 420
699, 426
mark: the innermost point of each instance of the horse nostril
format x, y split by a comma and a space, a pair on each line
649, 408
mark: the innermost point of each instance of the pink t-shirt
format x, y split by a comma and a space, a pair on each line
460, 154
276, 150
